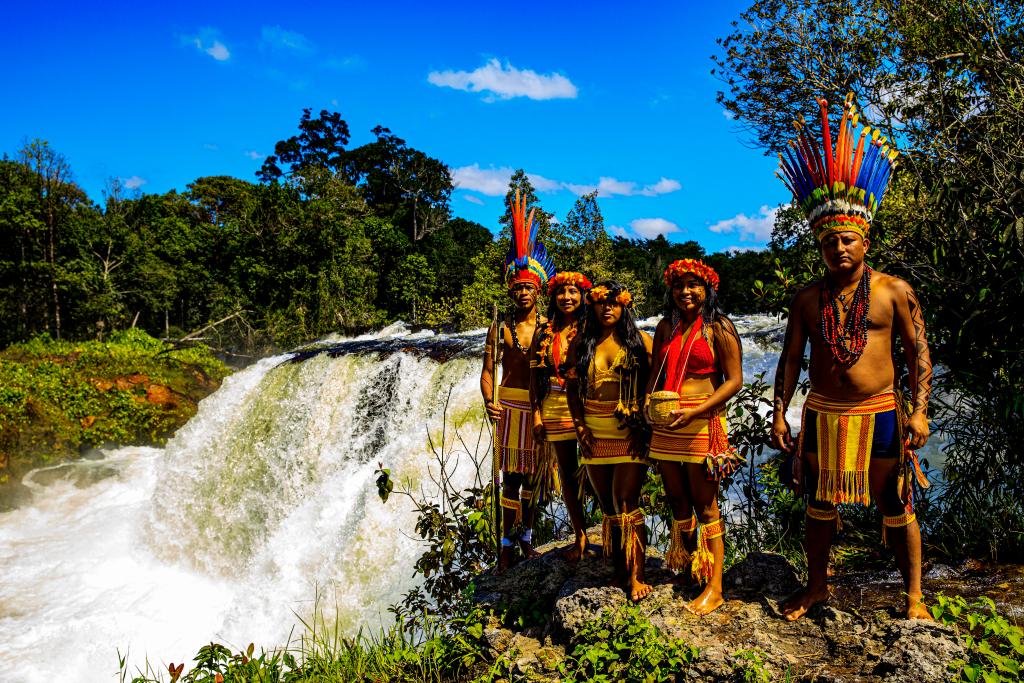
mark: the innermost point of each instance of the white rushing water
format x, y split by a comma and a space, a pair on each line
261, 502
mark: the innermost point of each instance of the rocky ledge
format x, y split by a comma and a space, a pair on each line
836, 642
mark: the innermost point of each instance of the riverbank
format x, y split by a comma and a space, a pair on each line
59, 400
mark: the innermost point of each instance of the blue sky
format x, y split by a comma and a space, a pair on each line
581, 95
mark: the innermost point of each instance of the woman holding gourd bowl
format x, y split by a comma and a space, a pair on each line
697, 354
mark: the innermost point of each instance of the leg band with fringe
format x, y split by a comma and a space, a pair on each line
678, 557
632, 523
895, 522
825, 516
526, 497
610, 521
703, 565
513, 504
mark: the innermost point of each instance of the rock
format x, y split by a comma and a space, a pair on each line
919, 651
160, 395
580, 605
762, 574
745, 637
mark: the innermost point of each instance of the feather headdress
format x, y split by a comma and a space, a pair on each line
841, 189
527, 258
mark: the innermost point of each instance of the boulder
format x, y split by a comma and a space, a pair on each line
747, 636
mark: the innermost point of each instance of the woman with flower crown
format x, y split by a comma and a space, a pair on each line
698, 356
610, 361
552, 421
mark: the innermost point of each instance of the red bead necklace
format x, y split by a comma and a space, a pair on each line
846, 340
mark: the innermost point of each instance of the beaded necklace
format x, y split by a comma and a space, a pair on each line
515, 337
846, 340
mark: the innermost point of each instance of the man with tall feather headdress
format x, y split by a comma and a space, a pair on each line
527, 269
856, 436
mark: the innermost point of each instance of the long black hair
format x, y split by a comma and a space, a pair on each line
625, 331
544, 372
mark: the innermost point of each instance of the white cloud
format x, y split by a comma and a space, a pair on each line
208, 41
289, 41
133, 183
611, 187
650, 228
506, 82
728, 114
473, 199
253, 154
494, 182
664, 186
617, 230
756, 228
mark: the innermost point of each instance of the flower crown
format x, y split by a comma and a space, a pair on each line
578, 280
691, 265
838, 187
602, 293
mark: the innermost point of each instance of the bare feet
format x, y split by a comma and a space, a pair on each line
916, 609
574, 552
638, 590
528, 551
805, 599
707, 602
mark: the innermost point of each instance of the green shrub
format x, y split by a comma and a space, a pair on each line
623, 645
995, 647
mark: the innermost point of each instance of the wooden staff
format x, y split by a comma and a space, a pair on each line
496, 451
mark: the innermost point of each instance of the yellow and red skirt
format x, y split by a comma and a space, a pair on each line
515, 431
557, 419
845, 433
611, 444
691, 444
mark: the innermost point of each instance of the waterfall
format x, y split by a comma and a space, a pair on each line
264, 500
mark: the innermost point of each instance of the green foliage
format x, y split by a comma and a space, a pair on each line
995, 647
446, 651
58, 396
749, 667
624, 645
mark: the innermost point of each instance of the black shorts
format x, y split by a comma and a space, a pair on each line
884, 444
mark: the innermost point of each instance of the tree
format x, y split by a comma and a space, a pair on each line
319, 144
57, 198
402, 184
590, 248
